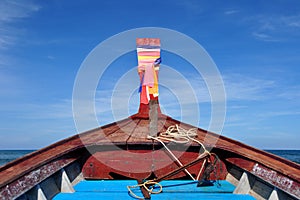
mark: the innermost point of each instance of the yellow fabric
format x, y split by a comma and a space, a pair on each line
151, 58
154, 90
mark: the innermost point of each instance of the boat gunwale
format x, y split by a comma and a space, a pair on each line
73, 143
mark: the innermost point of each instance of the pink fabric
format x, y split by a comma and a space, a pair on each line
149, 76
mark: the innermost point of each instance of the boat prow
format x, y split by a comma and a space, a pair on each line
149, 155
122, 151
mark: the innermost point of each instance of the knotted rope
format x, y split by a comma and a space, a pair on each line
175, 134
149, 189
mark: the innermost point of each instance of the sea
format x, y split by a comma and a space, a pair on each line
10, 155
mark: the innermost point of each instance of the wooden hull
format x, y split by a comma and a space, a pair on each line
140, 164
121, 150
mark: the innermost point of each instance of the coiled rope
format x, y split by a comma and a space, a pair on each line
175, 134
145, 185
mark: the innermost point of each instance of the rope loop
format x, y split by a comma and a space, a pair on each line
149, 185
176, 134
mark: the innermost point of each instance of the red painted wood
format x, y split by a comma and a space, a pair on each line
148, 41
139, 164
140, 161
143, 111
242, 163
18, 168
140, 132
119, 133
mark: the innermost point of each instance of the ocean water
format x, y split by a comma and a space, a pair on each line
9, 155
293, 155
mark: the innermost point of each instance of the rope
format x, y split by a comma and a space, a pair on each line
201, 169
178, 135
174, 157
173, 134
149, 189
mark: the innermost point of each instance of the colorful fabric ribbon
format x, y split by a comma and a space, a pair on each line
148, 52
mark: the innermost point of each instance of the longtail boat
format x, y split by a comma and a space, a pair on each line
149, 155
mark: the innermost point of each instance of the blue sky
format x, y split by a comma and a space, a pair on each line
255, 45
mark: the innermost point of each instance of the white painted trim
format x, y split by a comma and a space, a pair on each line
244, 185
40, 193
66, 185
274, 195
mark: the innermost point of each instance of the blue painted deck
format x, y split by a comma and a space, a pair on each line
183, 189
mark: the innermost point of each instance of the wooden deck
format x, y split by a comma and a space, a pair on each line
122, 150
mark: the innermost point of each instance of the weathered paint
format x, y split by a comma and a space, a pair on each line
131, 135
277, 179
31, 179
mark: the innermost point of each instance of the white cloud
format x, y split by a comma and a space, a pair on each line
241, 87
276, 27
178, 92
267, 115
231, 12
51, 57
177, 97
8, 84
60, 109
192, 7
264, 36
40, 123
13, 11
290, 93
291, 21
